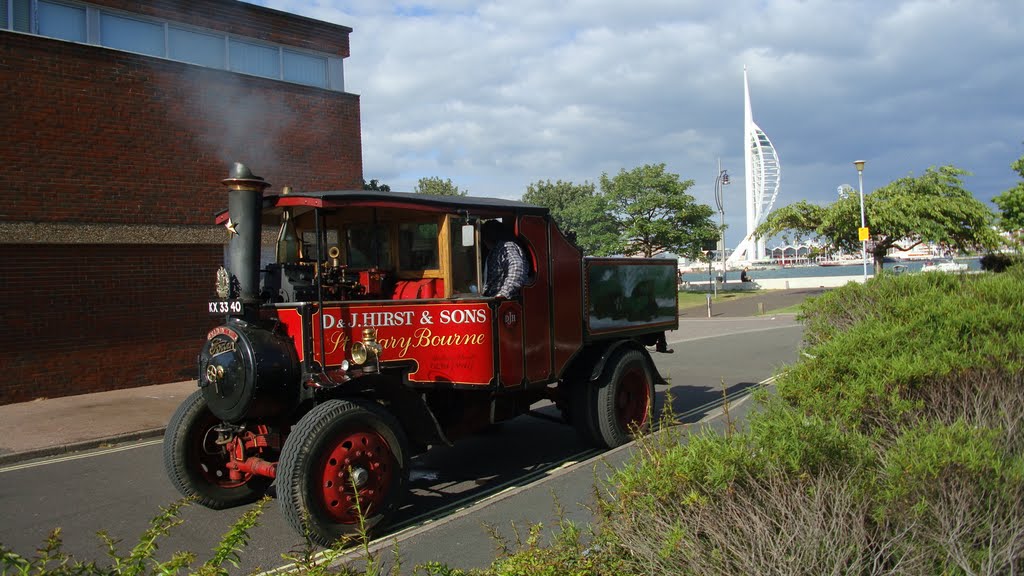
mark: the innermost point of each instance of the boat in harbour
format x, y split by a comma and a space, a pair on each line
943, 266
841, 262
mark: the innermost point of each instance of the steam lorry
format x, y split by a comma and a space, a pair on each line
359, 338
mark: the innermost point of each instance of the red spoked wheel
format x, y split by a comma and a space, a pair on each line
197, 465
360, 463
608, 412
342, 453
633, 398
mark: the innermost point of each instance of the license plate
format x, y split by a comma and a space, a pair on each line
225, 307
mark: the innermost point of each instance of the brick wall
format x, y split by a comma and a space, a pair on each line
97, 135
82, 318
94, 136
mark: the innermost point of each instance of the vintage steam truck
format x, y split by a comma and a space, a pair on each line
361, 338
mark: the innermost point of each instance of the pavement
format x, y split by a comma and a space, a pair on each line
53, 426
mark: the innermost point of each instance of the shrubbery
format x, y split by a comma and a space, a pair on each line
893, 447
999, 261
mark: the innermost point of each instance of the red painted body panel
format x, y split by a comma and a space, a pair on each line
566, 298
446, 342
537, 302
510, 343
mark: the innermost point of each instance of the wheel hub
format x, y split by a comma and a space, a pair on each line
360, 477
212, 450
632, 400
356, 476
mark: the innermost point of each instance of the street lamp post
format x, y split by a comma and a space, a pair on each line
864, 241
721, 180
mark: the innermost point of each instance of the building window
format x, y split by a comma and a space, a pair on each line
305, 68
131, 35
16, 15
254, 59
77, 21
195, 47
62, 21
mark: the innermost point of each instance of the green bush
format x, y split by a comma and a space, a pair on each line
998, 261
895, 446
875, 346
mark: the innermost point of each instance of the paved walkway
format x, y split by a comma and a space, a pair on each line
57, 425
739, 305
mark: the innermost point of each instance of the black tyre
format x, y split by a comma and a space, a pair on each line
339, 450
196, 465
608, 412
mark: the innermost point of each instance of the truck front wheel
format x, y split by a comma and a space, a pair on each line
341, 461
197, 465
620, 403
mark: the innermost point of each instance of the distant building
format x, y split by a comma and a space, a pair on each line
120, 120
792, 254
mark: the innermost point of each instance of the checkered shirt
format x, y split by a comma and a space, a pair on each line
506, 270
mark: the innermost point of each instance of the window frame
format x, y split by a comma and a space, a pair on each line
36, 20
333, 66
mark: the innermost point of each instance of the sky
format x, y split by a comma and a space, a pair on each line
496, 95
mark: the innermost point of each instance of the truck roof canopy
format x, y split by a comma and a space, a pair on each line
474, 205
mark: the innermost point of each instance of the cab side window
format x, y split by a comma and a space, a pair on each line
367, 247
417, 246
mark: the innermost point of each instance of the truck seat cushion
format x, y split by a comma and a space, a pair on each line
418, 289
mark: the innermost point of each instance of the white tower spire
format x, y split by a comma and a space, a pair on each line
762, 176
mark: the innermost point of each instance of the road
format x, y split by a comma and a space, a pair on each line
119, 490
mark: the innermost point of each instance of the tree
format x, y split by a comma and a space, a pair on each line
933, 207
653, 214
375, 185
1011, 203
579, 211
434, 185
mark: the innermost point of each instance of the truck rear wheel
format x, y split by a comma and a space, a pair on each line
339, 455
621, 402
197, 465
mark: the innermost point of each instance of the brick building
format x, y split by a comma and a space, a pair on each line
120, 118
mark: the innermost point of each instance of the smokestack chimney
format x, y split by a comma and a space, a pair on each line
245, 208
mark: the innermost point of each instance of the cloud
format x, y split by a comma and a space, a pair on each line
499, 94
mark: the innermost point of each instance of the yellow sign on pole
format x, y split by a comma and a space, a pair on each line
863, 234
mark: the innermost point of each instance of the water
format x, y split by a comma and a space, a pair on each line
819, 271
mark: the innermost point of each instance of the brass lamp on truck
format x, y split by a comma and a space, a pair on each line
368, 340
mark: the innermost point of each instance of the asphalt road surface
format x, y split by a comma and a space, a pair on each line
533, 464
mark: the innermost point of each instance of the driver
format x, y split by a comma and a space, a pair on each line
505, 267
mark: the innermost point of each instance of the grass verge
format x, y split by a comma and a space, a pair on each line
695, 299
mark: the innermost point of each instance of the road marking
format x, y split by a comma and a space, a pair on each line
80, 456
724, 334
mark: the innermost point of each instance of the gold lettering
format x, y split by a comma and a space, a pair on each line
426, 339
337, 340
220, 346
399, 343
